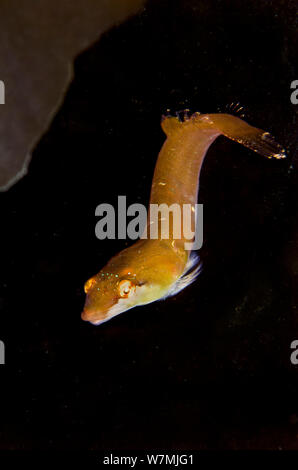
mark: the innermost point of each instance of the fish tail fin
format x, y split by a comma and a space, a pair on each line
236, 129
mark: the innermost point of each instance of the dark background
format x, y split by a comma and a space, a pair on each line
209, 368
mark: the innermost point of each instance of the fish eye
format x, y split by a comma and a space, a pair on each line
126, 288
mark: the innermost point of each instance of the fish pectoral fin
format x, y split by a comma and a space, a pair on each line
192, 270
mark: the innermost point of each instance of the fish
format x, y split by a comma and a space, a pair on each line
155, 269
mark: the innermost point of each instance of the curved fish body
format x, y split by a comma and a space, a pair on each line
153, 269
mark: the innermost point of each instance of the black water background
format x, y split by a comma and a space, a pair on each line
211, 367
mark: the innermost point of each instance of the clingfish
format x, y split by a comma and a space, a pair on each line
154, 269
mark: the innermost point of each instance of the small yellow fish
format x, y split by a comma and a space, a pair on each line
150, 269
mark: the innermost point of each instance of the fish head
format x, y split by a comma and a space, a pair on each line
108, 295
136, 276
113, 291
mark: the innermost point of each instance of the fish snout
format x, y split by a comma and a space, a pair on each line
94, 317
85, 315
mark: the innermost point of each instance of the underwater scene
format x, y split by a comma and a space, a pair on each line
149, 235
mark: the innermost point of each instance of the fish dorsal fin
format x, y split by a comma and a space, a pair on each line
170, 124
236, 109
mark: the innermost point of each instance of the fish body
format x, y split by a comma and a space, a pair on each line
154, 269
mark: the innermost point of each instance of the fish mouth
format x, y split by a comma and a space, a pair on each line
97, 317
93, 317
